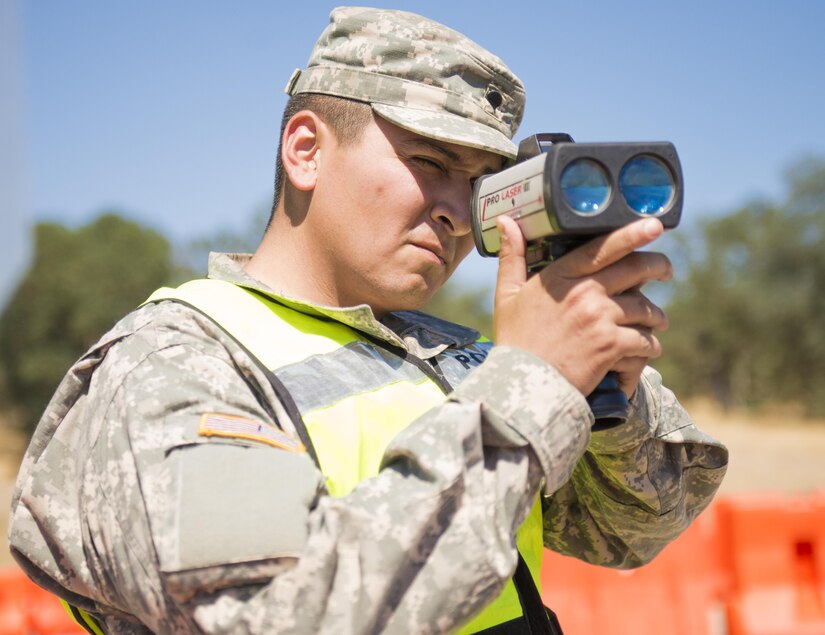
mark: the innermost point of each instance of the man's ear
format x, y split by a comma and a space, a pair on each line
301, 149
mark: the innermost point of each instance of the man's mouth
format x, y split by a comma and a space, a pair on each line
435, 249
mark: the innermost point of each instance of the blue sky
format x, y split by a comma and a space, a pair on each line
169, 111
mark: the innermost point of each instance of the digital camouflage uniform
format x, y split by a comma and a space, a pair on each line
124, 509
120, 500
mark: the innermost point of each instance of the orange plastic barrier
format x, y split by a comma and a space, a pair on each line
680, 593
12, 593
26, 609
747, 566
776, 549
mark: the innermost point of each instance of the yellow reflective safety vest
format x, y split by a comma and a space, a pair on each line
348, 394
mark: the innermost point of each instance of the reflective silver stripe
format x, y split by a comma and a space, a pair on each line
354, 369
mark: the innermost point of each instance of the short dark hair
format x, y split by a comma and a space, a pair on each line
346, 118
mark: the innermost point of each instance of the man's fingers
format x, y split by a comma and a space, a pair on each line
630, 370
636, 310
636, 341
633, 271
605, 250
512, 266
630, 366
590, 300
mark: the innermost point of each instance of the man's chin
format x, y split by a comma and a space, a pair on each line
414, 300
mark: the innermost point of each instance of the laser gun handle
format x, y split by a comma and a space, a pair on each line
608, 403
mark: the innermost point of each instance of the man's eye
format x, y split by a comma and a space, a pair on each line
430, 163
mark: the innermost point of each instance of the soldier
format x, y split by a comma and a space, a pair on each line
290, 446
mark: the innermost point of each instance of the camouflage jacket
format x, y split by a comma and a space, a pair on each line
122, 508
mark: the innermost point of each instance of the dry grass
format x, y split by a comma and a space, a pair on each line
775, 451
12, 445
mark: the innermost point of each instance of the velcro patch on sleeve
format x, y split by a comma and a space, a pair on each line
213, 424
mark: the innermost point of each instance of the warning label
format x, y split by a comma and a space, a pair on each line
516, 200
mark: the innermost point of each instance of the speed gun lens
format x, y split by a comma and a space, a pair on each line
585, 186
647, 185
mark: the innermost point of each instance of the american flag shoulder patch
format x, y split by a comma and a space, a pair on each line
213, 424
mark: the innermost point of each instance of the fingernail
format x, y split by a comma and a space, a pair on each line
651, 227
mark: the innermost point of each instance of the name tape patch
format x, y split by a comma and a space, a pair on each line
213, 424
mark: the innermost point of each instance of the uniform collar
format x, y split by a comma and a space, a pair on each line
422, 335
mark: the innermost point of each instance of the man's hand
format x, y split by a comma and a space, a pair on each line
584, 313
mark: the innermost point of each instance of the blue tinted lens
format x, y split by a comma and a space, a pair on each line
646, 184
584, 186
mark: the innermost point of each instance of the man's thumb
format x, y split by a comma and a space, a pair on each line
512, 266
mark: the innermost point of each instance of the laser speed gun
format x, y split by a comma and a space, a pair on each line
563, 193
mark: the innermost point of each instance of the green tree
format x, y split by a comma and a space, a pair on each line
242, 238
471, 307
748, 319
79, 283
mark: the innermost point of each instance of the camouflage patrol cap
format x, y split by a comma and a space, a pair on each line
417, 74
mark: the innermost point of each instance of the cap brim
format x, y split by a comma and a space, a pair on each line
444, 126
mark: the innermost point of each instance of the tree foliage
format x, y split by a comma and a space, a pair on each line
748, 319
244, 237
79, 283
470, 307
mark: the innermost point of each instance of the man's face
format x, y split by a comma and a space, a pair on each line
393, 216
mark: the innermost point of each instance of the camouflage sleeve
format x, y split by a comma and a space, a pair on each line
638, 486
188, 533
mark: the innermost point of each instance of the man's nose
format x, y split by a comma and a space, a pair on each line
452, 207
